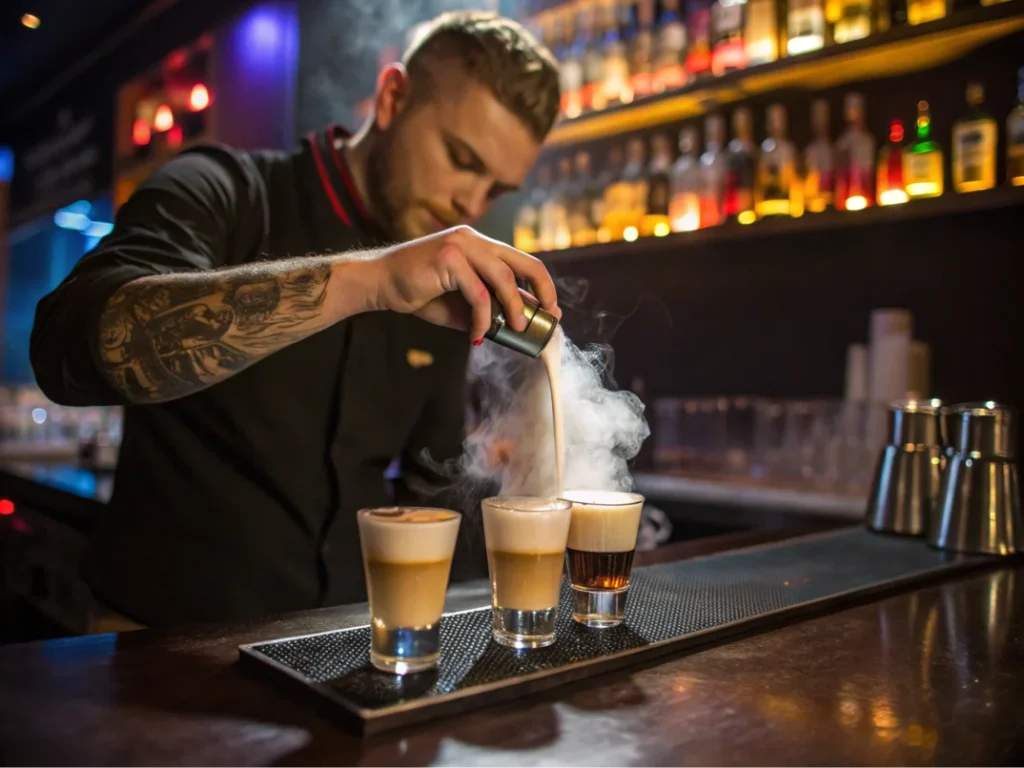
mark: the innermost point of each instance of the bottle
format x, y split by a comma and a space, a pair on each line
819, 162
640, 44
923, 162
778, 191
582, 224
891, 14
525, 232
761, 33
854, 22
806, 26
698, 29
570, 70
669, 48
921, 11
855, 159
634, 174
738, 200
1015, 137
593, 59
615, 82
554, 213
656, 219
890, 187
713, 170
974, 146
684, 210
728, 19
618, 198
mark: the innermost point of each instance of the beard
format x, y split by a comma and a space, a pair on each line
385, 195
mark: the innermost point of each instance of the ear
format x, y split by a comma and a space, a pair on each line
392, 94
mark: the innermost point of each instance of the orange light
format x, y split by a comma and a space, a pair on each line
163, 120
141, 133
6, 507
30, 21
199, 98
174, 137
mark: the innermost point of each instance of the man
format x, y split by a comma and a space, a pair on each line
268, 390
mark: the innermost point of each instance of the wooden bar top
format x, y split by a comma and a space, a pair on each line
929, 675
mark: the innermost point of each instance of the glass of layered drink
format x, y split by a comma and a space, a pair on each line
599, 554
407, 556
525, 537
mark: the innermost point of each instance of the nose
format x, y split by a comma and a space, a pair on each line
471, 202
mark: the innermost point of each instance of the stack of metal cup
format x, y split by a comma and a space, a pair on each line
979, 501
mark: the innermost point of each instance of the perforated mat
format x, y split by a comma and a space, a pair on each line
670, 606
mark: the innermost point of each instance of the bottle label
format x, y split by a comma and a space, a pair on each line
972, 155
919, 167
571, 75
671, 42
728, 19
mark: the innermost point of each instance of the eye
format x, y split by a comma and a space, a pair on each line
460, 159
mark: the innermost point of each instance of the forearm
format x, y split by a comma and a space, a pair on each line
167, 336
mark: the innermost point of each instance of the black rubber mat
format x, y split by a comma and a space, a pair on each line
668, 605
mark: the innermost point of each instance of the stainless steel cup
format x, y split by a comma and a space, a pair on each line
980, 497
905, 490
540, 328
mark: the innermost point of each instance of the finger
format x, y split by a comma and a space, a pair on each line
473, 290
502, 281
533, 270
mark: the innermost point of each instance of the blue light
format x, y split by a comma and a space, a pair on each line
6, 164
69, 220
79, 206
263, 30
99, 229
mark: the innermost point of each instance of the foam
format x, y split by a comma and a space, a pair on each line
408, 535
526, 524
604, 521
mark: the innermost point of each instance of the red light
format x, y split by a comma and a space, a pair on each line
163, 120
895, 131
140, 132
199, 98
174, 136
6, 507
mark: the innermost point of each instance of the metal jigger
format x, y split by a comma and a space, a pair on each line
905, 490
980, 499
540, 328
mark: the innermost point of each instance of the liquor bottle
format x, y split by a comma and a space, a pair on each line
891, 14
656, 219
820, 161
713, 171
923, 162
634, 174
590, 34
554, 212
1015, 137
698, 32
889, 186
855, 164
921, 11
778, 191
974, 146
615, 82
684, 210
728, 19
582, 224
761, 32
570, 70
640, 43
525, 232
738, 200
854, 22
617, 210
806, 26
669, 48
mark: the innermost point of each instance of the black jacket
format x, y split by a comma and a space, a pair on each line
239, 501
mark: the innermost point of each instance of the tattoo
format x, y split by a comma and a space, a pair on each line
165, 337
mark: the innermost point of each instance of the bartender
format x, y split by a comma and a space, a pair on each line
283, 328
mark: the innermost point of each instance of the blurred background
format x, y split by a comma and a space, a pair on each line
786, 214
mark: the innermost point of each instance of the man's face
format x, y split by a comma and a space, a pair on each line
443, 159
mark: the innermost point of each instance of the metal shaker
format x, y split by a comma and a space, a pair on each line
905, 489
980, 501
540, 328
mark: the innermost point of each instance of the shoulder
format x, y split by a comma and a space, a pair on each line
213, 175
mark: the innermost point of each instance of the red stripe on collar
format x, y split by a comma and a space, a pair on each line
325, 181
342, 166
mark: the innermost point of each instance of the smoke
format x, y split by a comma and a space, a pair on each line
513, 445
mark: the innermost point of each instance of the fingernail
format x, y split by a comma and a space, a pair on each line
478, 342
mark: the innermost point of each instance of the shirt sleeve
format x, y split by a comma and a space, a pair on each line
194, 213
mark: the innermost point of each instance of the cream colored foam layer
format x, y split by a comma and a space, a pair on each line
409, 535
525, 524
604, 521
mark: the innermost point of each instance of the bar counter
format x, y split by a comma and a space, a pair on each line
928, 675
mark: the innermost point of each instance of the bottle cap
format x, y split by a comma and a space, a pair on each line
975, 94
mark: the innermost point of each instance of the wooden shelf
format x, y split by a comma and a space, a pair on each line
897, 52
949, 204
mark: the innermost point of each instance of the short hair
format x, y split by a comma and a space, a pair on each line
495, 52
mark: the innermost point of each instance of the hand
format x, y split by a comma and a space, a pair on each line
443, 279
